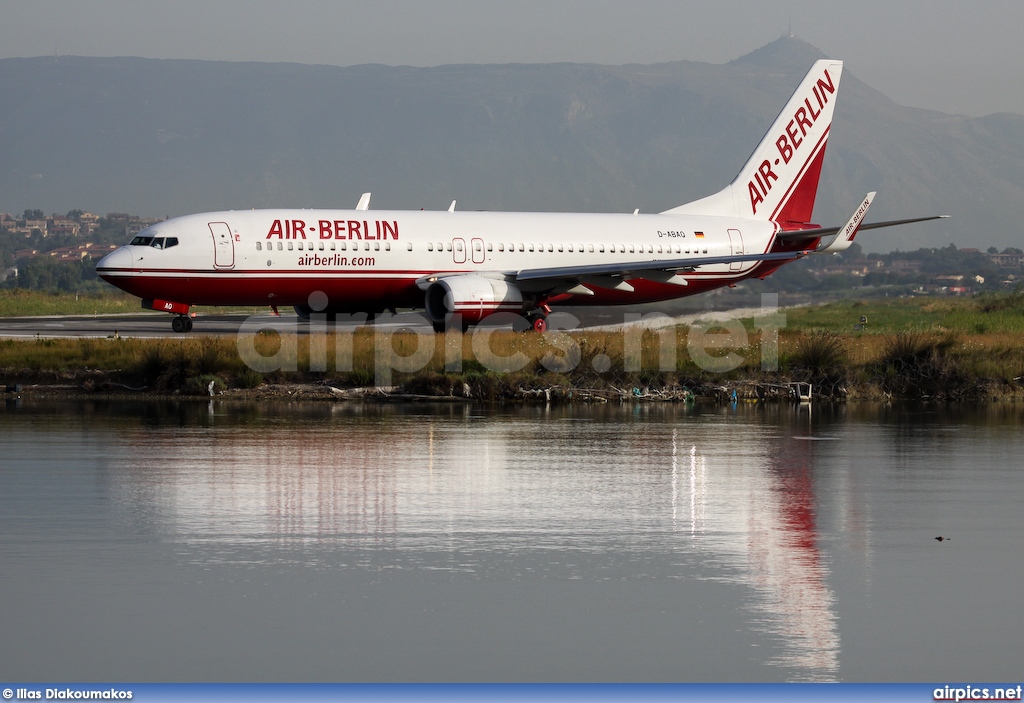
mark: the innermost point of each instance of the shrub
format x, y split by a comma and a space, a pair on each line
819, 353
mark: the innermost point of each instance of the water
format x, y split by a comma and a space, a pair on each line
336, 542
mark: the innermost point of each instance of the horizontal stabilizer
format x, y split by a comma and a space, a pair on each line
800, 234
844, 237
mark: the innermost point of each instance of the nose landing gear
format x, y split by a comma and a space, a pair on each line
181, 323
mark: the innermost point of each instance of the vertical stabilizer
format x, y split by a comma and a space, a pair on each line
780, 179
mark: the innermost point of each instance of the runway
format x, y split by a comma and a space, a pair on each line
135, 325
158, 325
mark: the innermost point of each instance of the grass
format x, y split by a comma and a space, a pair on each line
20, 302
977, 315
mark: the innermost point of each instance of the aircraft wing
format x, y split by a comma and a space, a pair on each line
615, 274
637, 269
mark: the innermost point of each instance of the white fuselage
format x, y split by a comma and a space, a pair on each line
367, 260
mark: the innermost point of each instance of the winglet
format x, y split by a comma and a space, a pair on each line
364, 202
844, 237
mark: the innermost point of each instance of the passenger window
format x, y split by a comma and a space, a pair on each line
430, 246
259, 246
560, 248
501, 246
490, 247
343, 246
409, 246
531, 247
290, 246
376, 246
550, 247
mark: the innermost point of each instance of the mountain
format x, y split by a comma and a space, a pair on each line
167, 137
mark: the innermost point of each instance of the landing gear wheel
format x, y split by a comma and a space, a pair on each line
538, 322
181, 324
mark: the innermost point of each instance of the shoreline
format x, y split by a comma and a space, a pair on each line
463, 388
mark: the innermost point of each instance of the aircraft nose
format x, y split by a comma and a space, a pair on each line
117, 261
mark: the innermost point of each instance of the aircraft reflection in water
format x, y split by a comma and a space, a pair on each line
765, 519
700, 501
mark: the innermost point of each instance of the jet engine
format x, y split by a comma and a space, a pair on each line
473, 296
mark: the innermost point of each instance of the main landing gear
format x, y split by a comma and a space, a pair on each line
538, 321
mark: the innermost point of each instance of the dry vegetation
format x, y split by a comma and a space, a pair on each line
506, 365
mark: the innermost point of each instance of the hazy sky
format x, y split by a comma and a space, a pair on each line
948, 55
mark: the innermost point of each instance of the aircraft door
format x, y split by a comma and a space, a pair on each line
459, 250
223, 245
736, 246
478, 250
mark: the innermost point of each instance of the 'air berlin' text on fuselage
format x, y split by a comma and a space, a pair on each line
334, 229
792, 139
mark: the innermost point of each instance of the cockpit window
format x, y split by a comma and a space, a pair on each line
155, 242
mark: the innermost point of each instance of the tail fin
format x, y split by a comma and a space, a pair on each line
780, 179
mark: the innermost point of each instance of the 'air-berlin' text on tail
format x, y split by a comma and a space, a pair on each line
780, 179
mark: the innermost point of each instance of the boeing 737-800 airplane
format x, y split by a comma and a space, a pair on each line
461, 267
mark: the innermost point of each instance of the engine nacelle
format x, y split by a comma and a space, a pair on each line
472, 296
